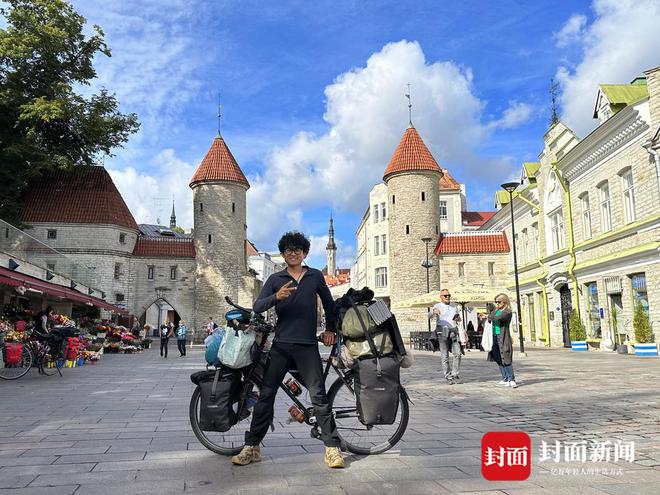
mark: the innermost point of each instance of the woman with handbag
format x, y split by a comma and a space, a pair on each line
502, 347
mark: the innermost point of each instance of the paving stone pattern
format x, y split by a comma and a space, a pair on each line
122, 427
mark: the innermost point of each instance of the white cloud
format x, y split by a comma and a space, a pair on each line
150, 196
572, 31
517, 113
367, 114
617, 46
318, 256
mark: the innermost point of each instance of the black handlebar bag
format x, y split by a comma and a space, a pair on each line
377, 384
220, 391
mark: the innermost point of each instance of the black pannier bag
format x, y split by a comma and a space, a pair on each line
377, 385
377, 390
220, 390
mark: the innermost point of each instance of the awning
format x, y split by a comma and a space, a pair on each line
15, 279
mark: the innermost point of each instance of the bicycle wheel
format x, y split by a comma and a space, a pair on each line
355, 436
49, 364
225, 443
14, 371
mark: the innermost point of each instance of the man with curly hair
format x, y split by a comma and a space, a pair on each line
293, 292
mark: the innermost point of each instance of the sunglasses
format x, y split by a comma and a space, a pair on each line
445, 295
499, 302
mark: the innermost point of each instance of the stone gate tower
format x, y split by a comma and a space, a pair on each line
413, 181
219, 209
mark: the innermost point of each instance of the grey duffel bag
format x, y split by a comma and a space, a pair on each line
377, 390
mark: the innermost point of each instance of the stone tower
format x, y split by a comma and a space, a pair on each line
331, 248
413, 180
219, 210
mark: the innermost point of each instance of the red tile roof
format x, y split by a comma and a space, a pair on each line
476, 218
219, 164
447, 181
341, 278
85, 194
164, 248
411, 154
251, 249
471, 243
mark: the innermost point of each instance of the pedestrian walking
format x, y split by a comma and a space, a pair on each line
210, 326
447, 319
181, 335
136, 328
165, 332
502, 347
294, 292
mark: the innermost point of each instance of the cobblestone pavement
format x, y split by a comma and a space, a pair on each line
122, 427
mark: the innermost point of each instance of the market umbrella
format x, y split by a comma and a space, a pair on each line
461, 294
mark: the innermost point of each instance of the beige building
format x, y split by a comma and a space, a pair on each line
588, 221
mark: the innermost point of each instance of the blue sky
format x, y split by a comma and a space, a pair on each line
313, 94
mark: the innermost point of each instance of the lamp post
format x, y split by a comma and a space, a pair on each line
510, 187
427, 265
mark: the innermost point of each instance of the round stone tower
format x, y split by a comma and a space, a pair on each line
219, 188
413, 181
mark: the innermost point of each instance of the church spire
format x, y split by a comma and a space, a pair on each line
173, 217
331, 248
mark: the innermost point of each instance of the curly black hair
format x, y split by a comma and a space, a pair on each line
293, 240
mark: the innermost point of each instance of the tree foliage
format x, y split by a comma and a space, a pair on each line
45, 121
642, 325
576, 327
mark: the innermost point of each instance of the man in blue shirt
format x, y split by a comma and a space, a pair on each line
293, 293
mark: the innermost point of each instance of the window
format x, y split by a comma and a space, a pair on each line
381, 277
376, 246
423, 196
52, 234
376, 213
443, 209
150, 272
233, 207
122, 238
201, 207
173, 273
628, 196
393, 199
383, 212
383, 244
407, 229
535, 241
119, 298
586, 216
491, 268
639, 291
461, 269
7, 233
525, 246
594, 309
210, 239
50, 267
605, 211
557, 230
117, 270
436, 230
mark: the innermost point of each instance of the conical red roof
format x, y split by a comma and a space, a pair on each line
411, 154
219, 164
85, 194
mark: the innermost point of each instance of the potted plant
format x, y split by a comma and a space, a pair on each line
146, 343
643, 333
578, 333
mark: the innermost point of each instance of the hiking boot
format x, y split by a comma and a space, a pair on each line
250, 453
333, 458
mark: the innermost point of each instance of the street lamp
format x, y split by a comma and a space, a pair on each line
427, 264
510, 187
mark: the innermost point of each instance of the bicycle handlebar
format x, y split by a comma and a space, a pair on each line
231, 303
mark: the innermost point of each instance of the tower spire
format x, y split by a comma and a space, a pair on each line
172, 217
408, 95
553, 95
331, 248
219, 114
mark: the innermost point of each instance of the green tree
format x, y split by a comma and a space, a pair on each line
179, 230
576, 327
44, 123
642, 325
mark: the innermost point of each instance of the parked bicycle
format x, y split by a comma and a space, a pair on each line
355, 436
38, 350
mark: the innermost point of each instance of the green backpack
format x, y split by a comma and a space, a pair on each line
350, 324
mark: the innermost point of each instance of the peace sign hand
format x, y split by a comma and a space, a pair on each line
285, 291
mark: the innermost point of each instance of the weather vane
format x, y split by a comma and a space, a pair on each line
409, 107
219, 113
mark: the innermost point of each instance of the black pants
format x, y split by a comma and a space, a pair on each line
163, 345
181, 345
307, 360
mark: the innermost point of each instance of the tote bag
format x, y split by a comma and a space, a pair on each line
235, 348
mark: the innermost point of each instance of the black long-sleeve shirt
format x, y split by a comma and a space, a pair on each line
296, 315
